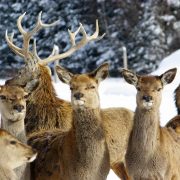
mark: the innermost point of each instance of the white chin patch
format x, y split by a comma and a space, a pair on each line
148, 105
78, 102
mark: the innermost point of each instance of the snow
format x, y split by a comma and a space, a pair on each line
115, 92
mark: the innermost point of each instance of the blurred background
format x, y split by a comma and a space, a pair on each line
149, 29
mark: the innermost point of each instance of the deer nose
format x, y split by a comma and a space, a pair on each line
19, 108
147, 98
78, 95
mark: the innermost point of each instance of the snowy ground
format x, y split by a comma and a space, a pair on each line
115, 92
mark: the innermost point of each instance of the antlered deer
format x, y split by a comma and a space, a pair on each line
46, 111
13, 111
13, 154
153, 152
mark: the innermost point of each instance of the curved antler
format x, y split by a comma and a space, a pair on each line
24, 51
74, 47
32, 58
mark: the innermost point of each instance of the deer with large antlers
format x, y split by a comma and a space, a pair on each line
13, 154
153, 152
45, 111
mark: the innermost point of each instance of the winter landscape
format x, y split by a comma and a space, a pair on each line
115, 92
149, 29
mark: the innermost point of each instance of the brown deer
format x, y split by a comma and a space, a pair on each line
153, 152
13, 111
13, 154
177, 99
84, 152
46, 111
174, 123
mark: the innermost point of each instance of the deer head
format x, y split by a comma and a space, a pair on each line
13, 153
13, 100
34, 65
84, 87
149, 88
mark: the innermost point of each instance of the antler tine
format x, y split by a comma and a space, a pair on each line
14, 48
35, 51
85, 39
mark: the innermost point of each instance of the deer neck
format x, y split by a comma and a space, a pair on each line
88, 132
45, 93
16, 128
145, 133
7, 173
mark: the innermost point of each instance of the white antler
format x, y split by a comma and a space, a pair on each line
75, 46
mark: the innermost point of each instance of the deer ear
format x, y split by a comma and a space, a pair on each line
129, 76
63, 74
168, 76
31, 86
101, 72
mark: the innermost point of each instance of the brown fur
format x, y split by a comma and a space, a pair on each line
177, 99
174, 123
13, 112
153, 152
13, 154
45, 111
84, 153
117, 146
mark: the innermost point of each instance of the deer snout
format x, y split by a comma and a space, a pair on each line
18, 107
78, 95
147, 98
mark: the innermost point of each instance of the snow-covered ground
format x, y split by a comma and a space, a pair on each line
115, 92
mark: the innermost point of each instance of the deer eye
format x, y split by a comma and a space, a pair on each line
92, 87
138, 88
159, 89
71, 88
13, 142
2, 97
26, 96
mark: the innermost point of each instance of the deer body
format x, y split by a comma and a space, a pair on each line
12, 155
153, 152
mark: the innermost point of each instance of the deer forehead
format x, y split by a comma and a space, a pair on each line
13, 91
149, 82
82, 81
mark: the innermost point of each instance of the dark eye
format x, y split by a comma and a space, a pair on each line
159, 89
13, 142
2, 97
71, 88
92, 87
26, 96
138, 88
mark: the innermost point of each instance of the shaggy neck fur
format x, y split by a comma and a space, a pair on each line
89, 134
44, 109
145, 133
7, 173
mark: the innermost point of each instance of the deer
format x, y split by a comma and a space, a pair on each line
13, 154
177, 99
45, 111
153, 152
85, 153
13, 111
174, 123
